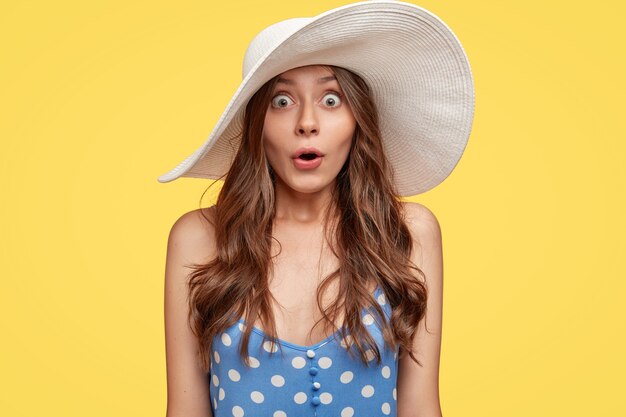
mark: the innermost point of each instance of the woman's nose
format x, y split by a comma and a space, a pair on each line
307, 122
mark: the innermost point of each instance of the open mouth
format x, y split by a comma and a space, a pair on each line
308, 156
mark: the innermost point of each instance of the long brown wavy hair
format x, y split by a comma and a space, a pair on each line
365, 220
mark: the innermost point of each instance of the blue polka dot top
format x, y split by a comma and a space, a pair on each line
320, 380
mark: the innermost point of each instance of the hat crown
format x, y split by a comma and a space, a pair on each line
268, 39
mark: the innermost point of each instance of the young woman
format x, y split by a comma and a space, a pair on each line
309, 288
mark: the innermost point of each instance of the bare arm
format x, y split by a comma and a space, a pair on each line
418, 387
189, 241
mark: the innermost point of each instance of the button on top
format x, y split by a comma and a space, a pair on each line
310, 353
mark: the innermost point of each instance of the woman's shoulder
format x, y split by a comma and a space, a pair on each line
425, 231
420, 219
194, 234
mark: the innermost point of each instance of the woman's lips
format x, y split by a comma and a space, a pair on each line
304, 164
307, 149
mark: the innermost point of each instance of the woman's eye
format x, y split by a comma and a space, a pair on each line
332, 99
280, 100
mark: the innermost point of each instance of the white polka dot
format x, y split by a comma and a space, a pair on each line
369, 354
268, 346
226, 339
386, 409
347, 341
347, 412
298, 362
234, 375
214, 403
237, 411
325, 362
216, 356
326, 398
382, 300
368, 319
386, 371
216, 380
222, 394
278, 381
257, 397
241, 326
279, 413
367, 391
346, 377
254, 362
394, 394
300, 398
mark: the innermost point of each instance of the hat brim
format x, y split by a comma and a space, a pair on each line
419, 76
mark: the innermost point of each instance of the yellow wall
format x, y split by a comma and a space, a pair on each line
99, 98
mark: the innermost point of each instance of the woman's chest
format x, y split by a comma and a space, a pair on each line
302, 258
300, 262
319, 379
294, 283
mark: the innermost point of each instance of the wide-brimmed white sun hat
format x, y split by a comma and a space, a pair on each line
415, 66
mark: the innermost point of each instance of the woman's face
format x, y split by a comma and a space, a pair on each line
308, 110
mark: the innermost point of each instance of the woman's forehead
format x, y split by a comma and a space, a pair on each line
307, 71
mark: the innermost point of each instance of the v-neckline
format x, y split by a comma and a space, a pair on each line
302, 347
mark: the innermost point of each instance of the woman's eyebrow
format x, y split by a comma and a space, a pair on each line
319, 81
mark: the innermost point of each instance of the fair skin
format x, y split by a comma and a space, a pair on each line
306, 110
303, 112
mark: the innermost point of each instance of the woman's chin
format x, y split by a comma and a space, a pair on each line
309, 185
